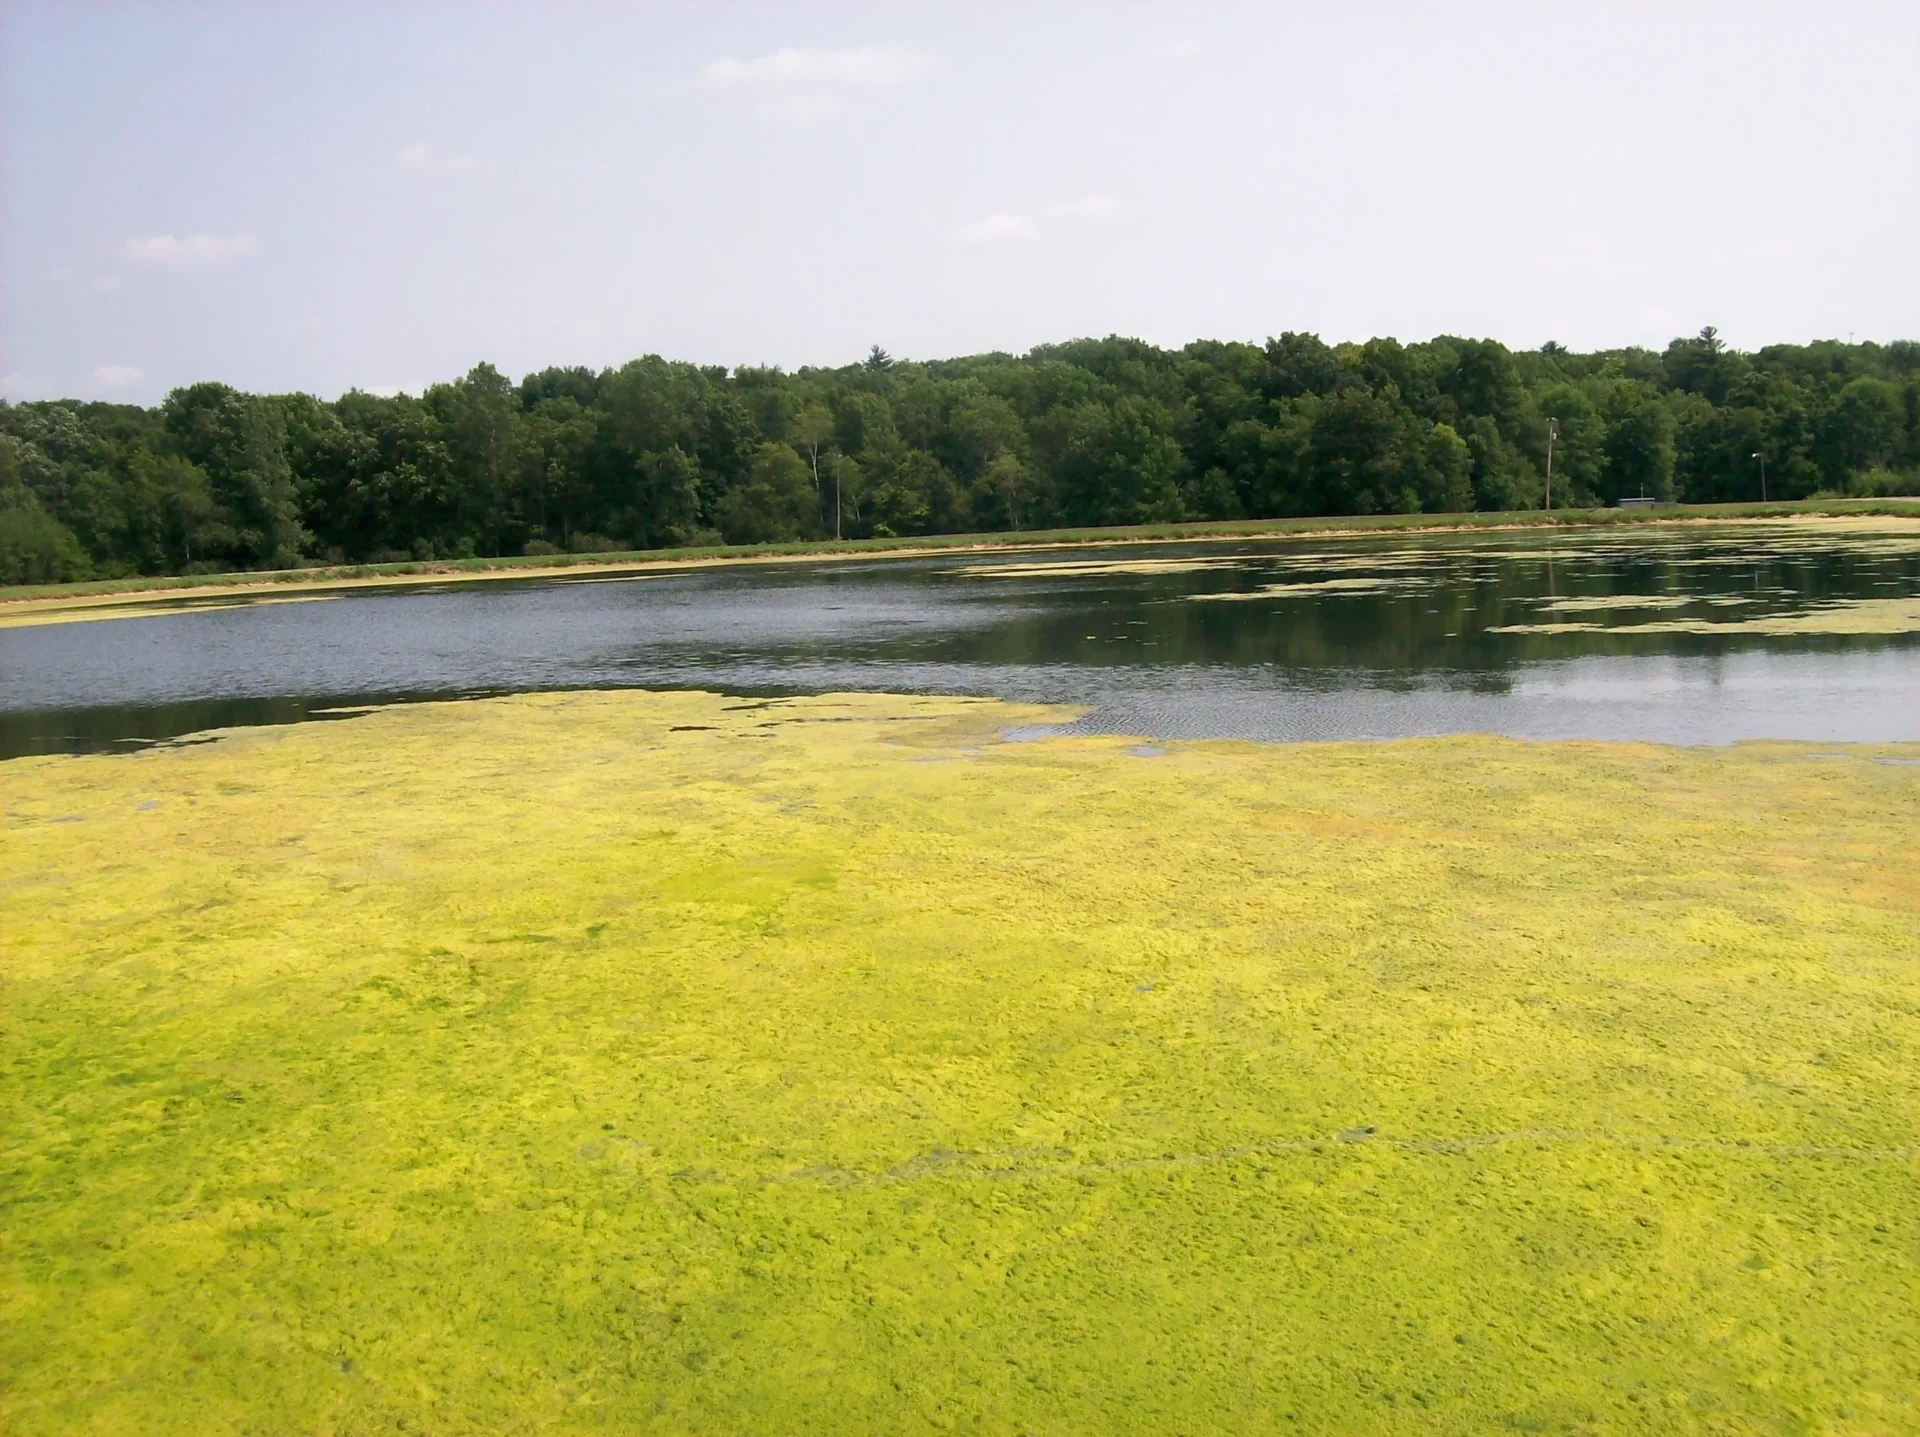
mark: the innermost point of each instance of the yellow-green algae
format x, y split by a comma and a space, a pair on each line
31, 615
1095, 568
669, 1062
1581, 603
1840, 616
1321, 586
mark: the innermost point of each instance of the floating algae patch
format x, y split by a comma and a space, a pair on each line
1571, 552
1305, 562
1582, 603
1355, 585
32, 613
564, 579
1093, 568
1568, 626
652, 1062
1363, 559
1789, 545
1742, 543
1845, 616
1845, 523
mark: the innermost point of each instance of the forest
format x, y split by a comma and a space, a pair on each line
658, 454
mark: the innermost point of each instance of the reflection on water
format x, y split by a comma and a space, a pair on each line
1671, 635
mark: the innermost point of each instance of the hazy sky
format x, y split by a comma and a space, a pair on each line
322, 196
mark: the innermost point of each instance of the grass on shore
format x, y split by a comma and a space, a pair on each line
429, 570
640, 1062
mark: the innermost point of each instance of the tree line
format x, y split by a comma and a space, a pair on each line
658, 454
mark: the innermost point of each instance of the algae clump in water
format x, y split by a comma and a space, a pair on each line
652, 1062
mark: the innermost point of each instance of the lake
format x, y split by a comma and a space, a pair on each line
1676, 634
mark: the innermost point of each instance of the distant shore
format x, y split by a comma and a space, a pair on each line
25, 603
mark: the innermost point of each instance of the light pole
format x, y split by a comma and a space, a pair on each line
1553, 433
1763, 474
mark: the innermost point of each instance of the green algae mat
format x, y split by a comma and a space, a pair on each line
672, 1063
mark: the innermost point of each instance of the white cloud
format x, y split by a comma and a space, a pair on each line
422, 157
172, 252
1183, 50
117, 376
20, 386
1091, 207
105, 284
868, 65
1659, 319
61, 275
994, 228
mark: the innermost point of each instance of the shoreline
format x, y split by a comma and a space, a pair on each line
107, 598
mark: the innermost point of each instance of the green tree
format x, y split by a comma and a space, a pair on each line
776, 503
190, 521
1117, 463
1637, 453
1298, 365
555, 453
1446, 472
666, 497
1092, 431
1477, 377
481, 416
239, 442
1704, 365
1010, 482
847, 478
1866, 428
810, 431
1579, 453
35, 547
1270, 463
1364, 456
1502, 477
1714, 450
898, 483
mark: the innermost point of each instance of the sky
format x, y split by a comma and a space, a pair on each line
326, 196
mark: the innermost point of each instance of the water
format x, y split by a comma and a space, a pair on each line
1375, 637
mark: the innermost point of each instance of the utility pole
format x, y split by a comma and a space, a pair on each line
1553, 433
1763, 474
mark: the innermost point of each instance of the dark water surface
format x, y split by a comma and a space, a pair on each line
1360, 637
